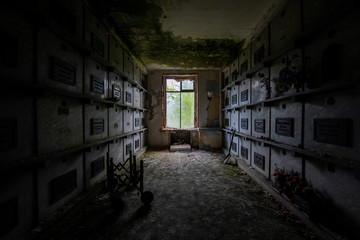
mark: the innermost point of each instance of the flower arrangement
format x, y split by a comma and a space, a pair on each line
292, 73
265, 82
291, 184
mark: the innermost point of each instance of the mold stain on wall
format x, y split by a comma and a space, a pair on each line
138, 24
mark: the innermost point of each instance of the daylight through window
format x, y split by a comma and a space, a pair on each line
180, 101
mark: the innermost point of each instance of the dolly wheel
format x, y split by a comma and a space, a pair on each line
115, 181
117, 204
147, 197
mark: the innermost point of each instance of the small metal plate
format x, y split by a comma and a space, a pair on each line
244, 123
143, 121
97, 45
9, 216
137, 122
227, 122
245, 95
97, 85
62, 186
137, 143
9, 50
234, 99
244, 152
128, 148
336, 131
234, 147
284, 127
116, 91
63, 72
97, 166
259, 160
97, 126
128, 97
8, 134
259, 125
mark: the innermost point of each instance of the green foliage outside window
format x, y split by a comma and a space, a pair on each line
180, 106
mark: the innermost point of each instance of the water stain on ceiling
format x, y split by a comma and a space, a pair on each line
186, 34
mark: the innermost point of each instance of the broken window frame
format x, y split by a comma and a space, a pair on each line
180, 77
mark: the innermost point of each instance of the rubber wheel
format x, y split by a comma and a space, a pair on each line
115, 181
147, 197
117, 204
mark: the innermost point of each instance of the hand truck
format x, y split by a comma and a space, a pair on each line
130, 177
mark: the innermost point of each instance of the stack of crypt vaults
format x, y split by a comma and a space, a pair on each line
73, 99
291, 97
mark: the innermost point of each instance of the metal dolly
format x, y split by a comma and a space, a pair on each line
227, 157
130, 178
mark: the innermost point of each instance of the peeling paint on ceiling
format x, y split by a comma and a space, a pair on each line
187, 34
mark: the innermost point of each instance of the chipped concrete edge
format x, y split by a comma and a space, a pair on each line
320, 230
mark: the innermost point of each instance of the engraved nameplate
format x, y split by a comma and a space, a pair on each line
244, 152
234, 99
259, 160
9, 216
128, 97
97, 166
336, 131
284, 126
244, 95
9, 50
97, 85
62, 186
116, 91
97, 45
227, 101
8, 134
259, 125
227, 122
97, 126
234, 147
143, 121
128, 148
244, 123
137, 143
137, 122
63, 72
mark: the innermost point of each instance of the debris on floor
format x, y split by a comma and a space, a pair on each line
196, 197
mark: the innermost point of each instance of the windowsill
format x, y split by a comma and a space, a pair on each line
192, 129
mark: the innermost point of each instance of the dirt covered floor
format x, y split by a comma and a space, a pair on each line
196, 197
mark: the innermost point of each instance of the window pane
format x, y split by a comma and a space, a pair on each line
172, 85
187, 110
173, 110
187, 85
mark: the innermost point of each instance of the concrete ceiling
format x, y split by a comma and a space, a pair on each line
186, 34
